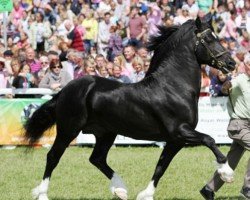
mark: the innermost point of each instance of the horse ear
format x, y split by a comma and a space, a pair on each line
208, 18
198, 22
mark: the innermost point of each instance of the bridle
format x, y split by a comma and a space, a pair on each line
200, 40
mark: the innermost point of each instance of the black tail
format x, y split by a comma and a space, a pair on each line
42, 119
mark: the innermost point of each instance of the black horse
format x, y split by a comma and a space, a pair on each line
162, 107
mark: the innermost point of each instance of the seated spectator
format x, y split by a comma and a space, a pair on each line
31, 60
56, 78
80, 70
120, 61
104, 72
90, 68
139, 72
245, 40
117, 76
63, 46
44, 60
25, 80
109, 68
15, 69
216, 84
3, 73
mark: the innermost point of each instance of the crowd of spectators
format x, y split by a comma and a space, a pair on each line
51, 42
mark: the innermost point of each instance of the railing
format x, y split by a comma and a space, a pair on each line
41, 91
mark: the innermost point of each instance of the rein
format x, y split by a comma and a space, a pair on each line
201, 40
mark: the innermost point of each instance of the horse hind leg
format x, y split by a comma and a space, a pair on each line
195, 137
99, 159
168, 153
53, 157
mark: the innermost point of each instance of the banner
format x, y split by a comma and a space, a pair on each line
214, 118
13, 114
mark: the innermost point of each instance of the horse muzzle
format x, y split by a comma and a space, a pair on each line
226, 66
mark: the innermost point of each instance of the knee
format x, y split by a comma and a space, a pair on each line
209, 141
95, 160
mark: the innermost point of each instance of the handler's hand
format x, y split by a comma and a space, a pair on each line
226, 87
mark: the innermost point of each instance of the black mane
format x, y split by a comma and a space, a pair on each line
167, 39
163, 34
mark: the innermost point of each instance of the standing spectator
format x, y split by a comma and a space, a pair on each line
192, 8
115, 43
121, 11
16, 14
76, 6
182, 17
205, 5
75, 35
239, 59
56, 78
23, 43
154, 19
238, 130
242, 21
91, 26
34, 64
104, 35
229, 30
136, 28
40, 31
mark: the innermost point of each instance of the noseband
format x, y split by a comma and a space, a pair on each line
200, 37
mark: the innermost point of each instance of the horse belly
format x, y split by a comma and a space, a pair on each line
133, 126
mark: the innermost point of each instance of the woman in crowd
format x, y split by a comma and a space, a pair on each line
40, 31
139, 72
56, 78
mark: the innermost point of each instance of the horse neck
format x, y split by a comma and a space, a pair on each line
180, 66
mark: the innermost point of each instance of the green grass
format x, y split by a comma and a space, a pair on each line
76, 179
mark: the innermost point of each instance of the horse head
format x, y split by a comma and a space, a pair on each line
208, 48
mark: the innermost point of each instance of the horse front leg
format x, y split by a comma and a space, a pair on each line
168, 153
99, 159
194, 137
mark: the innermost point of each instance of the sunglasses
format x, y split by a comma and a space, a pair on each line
44, 62
57, 67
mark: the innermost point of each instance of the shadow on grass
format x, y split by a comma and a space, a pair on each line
230, 198
218, 198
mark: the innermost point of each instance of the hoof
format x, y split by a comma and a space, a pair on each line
144, 196
39, 196
35, 193
226, 173
121, 193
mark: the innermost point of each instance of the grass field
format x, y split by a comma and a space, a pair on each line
76, 179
